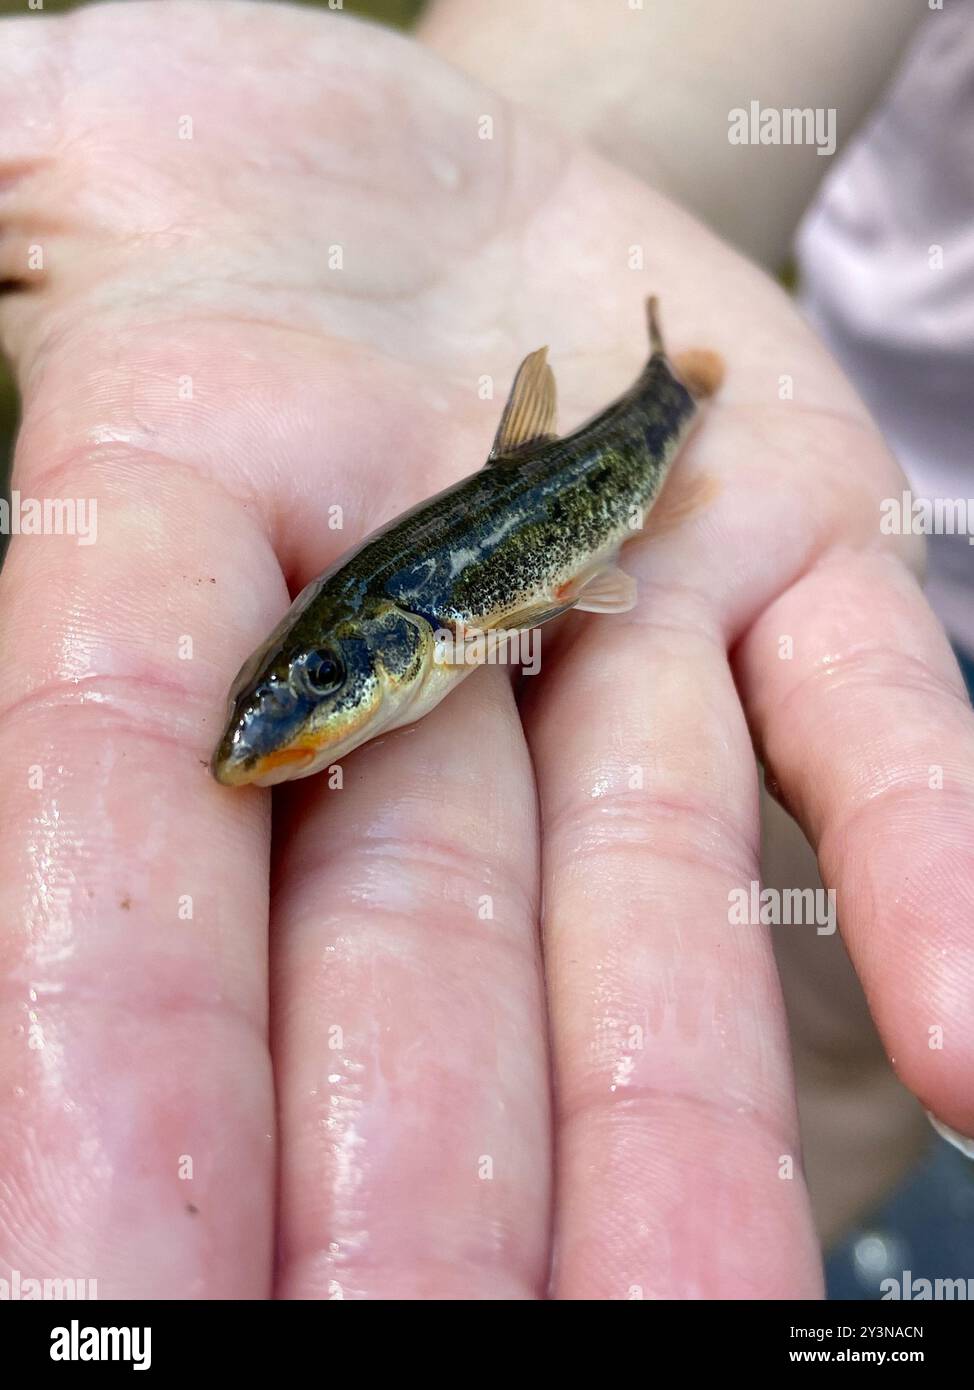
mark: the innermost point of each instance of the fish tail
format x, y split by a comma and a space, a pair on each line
700, 370
656, 343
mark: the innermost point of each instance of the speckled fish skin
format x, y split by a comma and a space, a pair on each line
530, 522
501, 549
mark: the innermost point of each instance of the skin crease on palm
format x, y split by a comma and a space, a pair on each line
390, 1124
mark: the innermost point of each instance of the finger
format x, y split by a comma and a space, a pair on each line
710, 1123
136, 1111
677, 1145
410, 1038
861, 712
203, 412
862, 1132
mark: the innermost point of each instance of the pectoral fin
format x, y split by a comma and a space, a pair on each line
529, 415
537, 614
608, 590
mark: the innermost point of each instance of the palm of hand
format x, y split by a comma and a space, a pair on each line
295, 311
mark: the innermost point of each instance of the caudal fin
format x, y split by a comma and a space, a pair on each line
700, 370
652, 323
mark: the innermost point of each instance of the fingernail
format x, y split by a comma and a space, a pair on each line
953, 1136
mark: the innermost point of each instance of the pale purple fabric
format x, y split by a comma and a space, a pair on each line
903, 330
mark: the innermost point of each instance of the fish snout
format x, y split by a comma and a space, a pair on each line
261, 737
234, 762
239, 761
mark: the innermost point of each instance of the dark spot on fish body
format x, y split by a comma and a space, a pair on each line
398, 645
505, 532
524, 562
657, 434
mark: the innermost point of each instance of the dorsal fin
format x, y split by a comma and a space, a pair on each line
530, 411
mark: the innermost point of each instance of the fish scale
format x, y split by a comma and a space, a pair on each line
571, 499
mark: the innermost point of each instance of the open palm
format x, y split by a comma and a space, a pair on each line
289, 265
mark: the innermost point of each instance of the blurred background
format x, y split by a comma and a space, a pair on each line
923, 1222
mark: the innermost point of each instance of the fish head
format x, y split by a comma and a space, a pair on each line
334, 674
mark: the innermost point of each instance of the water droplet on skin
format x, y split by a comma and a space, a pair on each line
104, 434
445, 171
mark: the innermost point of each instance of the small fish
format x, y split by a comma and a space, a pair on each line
534, 533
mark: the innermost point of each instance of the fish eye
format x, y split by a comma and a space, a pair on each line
322, 671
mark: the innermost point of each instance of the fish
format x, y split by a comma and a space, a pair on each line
382, 636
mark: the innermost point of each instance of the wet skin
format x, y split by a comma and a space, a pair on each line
340, 1138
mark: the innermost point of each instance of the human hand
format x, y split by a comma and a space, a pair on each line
652, 86
192, 357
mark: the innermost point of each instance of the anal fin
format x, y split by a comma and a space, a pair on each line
606, 589
679, 501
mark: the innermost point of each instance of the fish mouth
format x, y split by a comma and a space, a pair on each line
288, 763
282, 764
266, 771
